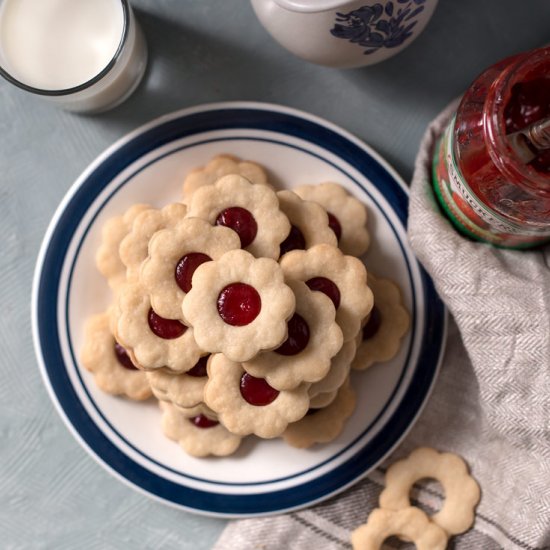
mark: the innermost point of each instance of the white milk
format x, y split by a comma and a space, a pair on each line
59, 44
56, 45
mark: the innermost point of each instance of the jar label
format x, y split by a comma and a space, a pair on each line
467, 212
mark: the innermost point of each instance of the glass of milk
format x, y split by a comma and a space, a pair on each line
85, 55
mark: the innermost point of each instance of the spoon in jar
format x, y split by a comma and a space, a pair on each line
531, 140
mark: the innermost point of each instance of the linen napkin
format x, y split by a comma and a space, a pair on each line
491, 403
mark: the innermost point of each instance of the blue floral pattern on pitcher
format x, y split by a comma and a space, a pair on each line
374, 27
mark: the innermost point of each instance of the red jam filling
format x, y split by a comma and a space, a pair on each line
202, 421
165, 328
294, 241
542, 161
123, 358
326, 286
239, 304
373, 324
241, 221
529, 102
199, 370
298, 336
334, 224
186, 267
257, 391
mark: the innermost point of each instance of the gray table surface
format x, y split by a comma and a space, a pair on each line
52, 494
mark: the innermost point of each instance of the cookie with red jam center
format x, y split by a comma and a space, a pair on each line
309, 223
134, 248
199, 434
246, 404
347, 216
112, 367
251, 211
154, 341
325, 269
174, 255
384, 327
313, 339
239, 305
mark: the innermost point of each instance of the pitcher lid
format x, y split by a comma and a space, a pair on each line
311, 6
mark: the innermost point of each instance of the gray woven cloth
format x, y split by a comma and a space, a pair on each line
491, 403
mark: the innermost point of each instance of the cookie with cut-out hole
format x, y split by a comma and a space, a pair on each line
219, 166
387, 323
153, 342
111, 366
108, 260
239, 305
185, 390
252, 211
246, 404
410, 523
134, 247
174, 254
347, 215
462, 492
198, 435
340, 366
342, 278
322, 425
308, 220
313, 340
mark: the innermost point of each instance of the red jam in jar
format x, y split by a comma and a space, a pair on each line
486, 188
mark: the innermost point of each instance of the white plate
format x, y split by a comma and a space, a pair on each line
149, 165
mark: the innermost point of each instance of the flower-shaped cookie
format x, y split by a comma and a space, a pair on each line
239, 305
347, 215
309, 223
252, 211
313, 339
113, 369
411, 524
342, 278
246, 404
338, 372
462, 492
322, 400
322, 425
185, 390
191, 412
134, 247
198, 435
219, 166
386, 325
152, 341
108, 260
174, 254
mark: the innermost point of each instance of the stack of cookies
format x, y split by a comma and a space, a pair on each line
242, 309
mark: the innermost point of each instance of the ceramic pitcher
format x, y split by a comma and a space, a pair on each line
344, 33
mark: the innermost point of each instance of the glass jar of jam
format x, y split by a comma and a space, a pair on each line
488, 189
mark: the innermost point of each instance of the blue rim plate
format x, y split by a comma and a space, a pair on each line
148, 165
